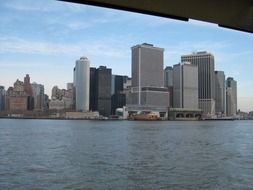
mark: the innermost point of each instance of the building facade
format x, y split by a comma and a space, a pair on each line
168, 76
93, 89
220, 93
27, 85
150, 97
103, 76
148, 77
206, 80
17, 98
2, 98
231, 97
117, 93
100, 90
39, 96
147, 59
185, 86
20, 98
29, 93
82, 84
168, 82
127, 85
61, 99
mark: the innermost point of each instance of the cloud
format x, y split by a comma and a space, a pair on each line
174, 52
202, 23
44, 6
18, 45
94, 49
75, 16
79, 24
200, 46
25, 6
110, 15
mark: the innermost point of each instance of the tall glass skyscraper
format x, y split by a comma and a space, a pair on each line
100, 90
231, 96
220, 93
206, 95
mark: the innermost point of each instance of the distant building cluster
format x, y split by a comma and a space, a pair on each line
62, 99
96, 89
212, 88
190, 89
23, 96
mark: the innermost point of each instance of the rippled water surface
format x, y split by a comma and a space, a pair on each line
48, 154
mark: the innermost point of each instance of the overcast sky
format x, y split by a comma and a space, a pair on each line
44, 38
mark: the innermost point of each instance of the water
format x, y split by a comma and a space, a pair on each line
47, 154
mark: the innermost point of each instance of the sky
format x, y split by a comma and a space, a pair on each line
44, 38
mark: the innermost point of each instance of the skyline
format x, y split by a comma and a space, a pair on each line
43, 37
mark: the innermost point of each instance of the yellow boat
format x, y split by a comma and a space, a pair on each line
145, 116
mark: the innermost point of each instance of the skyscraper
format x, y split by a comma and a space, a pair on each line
148, 76
28, 91
103, 76
27, 85
220, 93
231, 97
185, 86
118, 96
168, 82
168, 76
206, 80
17, 99
2, 98
74, 76
100, 90
74, 88
93, 89
147, 62
38, 94
82, 84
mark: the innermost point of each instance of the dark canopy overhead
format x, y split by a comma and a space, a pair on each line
234, 14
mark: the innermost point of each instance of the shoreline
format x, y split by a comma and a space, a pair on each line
59, 118
107, 119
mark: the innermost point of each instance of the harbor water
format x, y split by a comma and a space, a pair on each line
77, 154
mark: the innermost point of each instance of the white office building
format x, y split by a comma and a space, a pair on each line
185, 86
206, 80
82, 84
148, 76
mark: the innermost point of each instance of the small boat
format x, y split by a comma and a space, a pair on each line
145, 116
